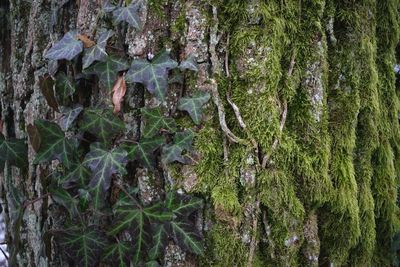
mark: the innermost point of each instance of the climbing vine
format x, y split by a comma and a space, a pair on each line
107, 220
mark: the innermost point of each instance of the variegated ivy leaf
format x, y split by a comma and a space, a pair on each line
173, 152
54, 145
98, 51
118, 254
103, 164
153, 74
78, 175
155, 121
65, 88
63, 198
67, 48
137, 219
102, 123
83, 245
107, 71
186, 236
128, 14
69, 115
143, 151
193, 105
189, 64
15, 151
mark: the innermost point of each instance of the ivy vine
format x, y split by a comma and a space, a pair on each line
125, 230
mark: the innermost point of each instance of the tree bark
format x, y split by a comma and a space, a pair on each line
298, 153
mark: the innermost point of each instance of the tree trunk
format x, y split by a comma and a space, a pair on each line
298, 153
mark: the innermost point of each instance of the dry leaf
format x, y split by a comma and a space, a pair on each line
118, 91
1, 126
46, 85
34, 137
87, 43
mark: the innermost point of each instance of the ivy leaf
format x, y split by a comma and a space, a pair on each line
62, 197
84, 199
69, 115
65, 88
47, 88
67, 48
189, 64
98, 51
54, 144
143, 151
107, 71
102, 123
103, 164
182, 205
152, 264
154, 74
160, 240
155, 121
186, 237
194, 105
118, 254
108, 7
15, 151
78, 175
173, 152
128, 14
136, 219
83, 245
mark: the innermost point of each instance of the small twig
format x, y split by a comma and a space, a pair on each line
267, 156
4, 253
221, 114
253, 242
30, 202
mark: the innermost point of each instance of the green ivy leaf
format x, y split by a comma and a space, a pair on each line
186, 236
65, 88
144, 150
155, 121
63, 198
154, 74
102, 123
194, 105
182, 205
107, 71
189, 64
118, 254
15, 151
83, 245
79, 174
136, 219
98, 51
173, 152
152, 264
69, 115
128, 14
108, 7
54, 144
67, 48
160, 240
103, 164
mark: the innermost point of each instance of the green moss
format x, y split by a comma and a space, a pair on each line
226, 248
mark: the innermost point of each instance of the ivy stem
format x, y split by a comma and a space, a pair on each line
30, 202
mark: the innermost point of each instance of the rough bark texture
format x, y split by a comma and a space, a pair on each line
298, 157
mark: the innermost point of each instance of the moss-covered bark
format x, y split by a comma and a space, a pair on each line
305, 173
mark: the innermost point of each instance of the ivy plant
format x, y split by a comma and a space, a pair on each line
107, 220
